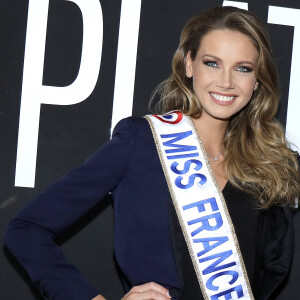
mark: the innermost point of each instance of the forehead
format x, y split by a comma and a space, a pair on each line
228, 44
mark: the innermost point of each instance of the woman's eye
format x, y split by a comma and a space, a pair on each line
210, 63
244, 69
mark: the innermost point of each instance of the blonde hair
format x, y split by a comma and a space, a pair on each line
257, 155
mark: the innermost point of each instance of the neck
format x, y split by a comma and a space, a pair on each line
211, 132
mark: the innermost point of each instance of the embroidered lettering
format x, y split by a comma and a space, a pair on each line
205, 223
191, 181
175, 138
186, 167
212, 287
200, 204
227, 294
215, 266
210, 243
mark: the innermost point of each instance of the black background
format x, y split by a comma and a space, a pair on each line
68, 134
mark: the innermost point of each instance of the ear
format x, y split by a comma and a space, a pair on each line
189, 65
256, 85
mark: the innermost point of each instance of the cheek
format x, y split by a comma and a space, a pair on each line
247, 97
247, 86
250, 90
201, 80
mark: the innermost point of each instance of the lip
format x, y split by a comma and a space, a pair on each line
220, 102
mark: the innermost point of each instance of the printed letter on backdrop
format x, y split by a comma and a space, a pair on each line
291, 17
34, 93
126, 60
242, 5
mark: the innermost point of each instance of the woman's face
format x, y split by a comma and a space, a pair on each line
223, 73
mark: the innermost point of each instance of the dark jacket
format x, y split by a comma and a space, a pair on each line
127, 166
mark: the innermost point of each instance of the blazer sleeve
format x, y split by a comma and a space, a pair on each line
30, 234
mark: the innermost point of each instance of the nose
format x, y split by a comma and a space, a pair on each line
225, 80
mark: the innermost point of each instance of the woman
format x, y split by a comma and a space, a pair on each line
225, 81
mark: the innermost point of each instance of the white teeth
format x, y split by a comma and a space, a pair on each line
222, 98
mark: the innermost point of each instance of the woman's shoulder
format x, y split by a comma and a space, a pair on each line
131, 126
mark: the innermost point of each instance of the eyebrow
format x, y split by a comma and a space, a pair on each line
238, 63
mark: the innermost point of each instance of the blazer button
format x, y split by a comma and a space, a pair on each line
173, 292
45, 294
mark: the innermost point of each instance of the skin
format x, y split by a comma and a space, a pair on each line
147, 291
224, 65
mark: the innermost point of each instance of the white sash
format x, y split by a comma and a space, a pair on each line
201, 208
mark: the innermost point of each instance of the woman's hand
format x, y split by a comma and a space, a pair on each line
99, 297
147, 291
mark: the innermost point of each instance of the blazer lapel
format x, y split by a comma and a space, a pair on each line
276, 246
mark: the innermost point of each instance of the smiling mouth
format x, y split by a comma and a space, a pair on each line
223, 98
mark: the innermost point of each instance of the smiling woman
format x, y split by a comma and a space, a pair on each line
225, 78
223, 73
187, 184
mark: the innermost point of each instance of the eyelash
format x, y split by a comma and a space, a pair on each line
214, 64
210, 63
245, 69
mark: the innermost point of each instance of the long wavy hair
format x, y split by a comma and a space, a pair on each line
257, 155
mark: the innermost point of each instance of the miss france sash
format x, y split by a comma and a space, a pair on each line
200, 208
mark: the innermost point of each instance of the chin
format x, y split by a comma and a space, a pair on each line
223, 116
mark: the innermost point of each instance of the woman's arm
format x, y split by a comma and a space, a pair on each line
150, 290
30, 235
99, 297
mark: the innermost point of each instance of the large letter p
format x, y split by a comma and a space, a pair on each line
34, 93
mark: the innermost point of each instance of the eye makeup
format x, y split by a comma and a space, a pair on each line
214, 64
244, 69
210, 63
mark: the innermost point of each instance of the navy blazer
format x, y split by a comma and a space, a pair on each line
127, 166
